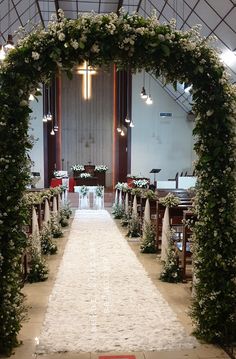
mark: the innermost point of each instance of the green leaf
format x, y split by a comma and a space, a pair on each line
165, 50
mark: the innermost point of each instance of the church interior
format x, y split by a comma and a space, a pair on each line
117, 211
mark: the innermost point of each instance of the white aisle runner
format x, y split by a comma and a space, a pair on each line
103, 299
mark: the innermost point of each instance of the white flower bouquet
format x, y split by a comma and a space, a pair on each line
85, 175
101, 168
140, 183
84, 191
78, 168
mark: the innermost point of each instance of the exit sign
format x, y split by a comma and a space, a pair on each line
165, 114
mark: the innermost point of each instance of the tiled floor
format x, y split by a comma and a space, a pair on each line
178, 296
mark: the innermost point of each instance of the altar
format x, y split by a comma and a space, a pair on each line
90, 176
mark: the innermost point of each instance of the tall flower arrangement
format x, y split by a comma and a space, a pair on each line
127, 40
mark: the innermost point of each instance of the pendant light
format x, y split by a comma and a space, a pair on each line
149, 98
49, 115
10, 44
127, 118
44, 119
2, 52
118, 127
143, 93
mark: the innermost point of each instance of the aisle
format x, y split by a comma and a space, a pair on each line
103, 299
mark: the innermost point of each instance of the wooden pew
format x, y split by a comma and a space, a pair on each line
175, 213
183, 248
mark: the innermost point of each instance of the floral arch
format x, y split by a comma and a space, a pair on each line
128, 40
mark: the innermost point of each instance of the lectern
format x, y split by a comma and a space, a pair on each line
154, 171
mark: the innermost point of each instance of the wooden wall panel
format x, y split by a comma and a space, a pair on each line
87, 125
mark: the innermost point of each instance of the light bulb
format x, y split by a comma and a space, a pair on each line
149, 100
56, 128
131, 124
118, 129
187, 89
2, 53
45, 118
49, 116
31, 97
127, 120
143, 93
122, 133
52, 132
10, 44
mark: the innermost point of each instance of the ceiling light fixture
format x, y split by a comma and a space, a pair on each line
49, 115
149, 100
228, 57
143, 93
149, 97
118, 126
187, 89
10, 44
127, 118
2, 53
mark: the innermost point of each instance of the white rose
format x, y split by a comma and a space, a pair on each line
95, 48
35, 55
61, 36
74, 44
209, 113
23, 103
161, 37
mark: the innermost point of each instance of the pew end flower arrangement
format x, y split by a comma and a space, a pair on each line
55, 226
38, 270
171, 272
134, 226
126, 217
138, 43
148, 242
117, 211
47, 244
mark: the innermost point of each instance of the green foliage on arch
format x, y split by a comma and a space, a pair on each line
127, 40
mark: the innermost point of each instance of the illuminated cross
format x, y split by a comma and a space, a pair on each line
87, 72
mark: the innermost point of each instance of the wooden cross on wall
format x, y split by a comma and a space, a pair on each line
87, 72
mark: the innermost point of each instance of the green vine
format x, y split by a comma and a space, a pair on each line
136, 42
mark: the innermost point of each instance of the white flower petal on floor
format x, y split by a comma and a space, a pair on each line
103, 300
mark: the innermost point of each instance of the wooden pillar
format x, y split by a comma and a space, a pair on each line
58, 122
122, 107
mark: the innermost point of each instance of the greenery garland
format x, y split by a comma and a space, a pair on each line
136, 42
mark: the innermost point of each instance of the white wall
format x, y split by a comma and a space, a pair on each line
87, 126
165, 143
36, 129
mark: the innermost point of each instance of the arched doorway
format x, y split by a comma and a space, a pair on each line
138, 43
